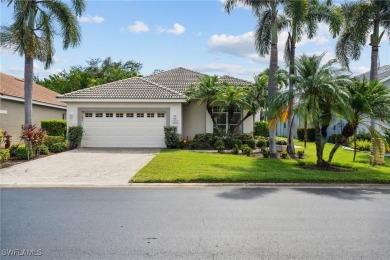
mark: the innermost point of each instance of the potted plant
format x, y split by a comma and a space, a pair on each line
281, 145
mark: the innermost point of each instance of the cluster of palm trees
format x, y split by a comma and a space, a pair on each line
356, 22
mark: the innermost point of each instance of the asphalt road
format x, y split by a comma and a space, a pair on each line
196, 223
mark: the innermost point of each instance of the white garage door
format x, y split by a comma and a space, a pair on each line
124, 129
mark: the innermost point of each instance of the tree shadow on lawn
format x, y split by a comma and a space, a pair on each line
246, 193
345, 193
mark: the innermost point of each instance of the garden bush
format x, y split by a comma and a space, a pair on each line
265, 152
24, 153
203, 141
281, 142
75, 135
251, 143
235, 149
300, 154
219, 145
262, 128
243, 137
42, 149
311, 134
54, 127
261, 143
283, 155
246, 149
334, 138
363, 135
12, 149
59, 147
237, 142
51, 140
4, 155
363, 145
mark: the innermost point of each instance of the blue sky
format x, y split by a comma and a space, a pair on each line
166, 34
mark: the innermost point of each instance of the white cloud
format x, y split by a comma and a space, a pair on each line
139, 26
6, 50
90, 19
177, 29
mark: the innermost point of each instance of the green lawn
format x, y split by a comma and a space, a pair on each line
190, 166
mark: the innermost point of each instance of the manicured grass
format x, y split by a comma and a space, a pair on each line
190, 166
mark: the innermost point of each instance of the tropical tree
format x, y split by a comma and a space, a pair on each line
303, 17
231, 99
366, 100
205, 93
366, 23
319, 94
269, 23
32, 33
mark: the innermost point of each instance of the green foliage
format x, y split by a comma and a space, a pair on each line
246, 149
283, 155
362, 145
96, 72
334, 138
171, 137
236, 142
75, 135
42, 149
34, 136
262, 128
281, 142
219, 145
311, 134
265, 152
203, 141
261, 143
24, 153
235, 149
363, 135
4, 155
54, 127
12, 149
251, 143
51, 140
59, 147
300, 154
185, 144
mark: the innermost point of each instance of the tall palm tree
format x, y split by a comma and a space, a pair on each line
205, 93
303, 17
269, 23
366, 23
32, 33
231, 99
366, 100
319, 94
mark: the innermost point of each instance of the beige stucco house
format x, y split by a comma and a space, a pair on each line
45, 105
134, 111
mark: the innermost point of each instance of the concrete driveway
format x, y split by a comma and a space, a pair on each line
100, 167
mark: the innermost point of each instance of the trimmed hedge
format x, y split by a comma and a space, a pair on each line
262, 128
311, 134
59, 147
75, 135
51, 140
54, 127
4, 155
24, 153
171, 137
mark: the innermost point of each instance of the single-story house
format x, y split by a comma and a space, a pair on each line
338, 124
133, 112
45, 105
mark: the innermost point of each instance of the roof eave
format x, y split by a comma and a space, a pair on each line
96, 100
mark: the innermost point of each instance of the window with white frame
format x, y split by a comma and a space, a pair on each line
109, 115
221, 117
99, 115
119, 115
129, 114
140, 115
88, 114
160, 114
149, 114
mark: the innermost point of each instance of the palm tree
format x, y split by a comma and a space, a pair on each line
366, 23
32, 35
304, 16
269, 23
231, 99
205, 93
366, 100
319, 95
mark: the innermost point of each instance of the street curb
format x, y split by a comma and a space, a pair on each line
206, 185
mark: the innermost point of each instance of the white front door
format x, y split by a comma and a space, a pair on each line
124, 129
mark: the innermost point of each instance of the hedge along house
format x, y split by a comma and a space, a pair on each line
45, 105
134, 111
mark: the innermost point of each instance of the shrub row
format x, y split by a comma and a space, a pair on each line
311, 134
54, 127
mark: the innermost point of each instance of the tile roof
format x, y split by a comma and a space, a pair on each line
169, 84
14, 87
383, 73
131, 88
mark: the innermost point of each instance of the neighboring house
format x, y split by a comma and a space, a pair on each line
133, 112
338, 124
45, 105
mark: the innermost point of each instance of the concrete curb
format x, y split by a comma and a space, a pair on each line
206, 185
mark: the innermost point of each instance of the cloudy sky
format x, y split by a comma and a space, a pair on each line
166, 34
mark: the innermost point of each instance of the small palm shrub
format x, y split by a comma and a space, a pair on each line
300, 154
246, 149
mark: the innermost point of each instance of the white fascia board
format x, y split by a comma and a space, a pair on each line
78, 100
34, 102
384, 80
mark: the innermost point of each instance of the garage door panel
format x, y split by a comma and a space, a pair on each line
123, 131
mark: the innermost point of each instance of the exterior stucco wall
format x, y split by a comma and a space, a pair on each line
194, 119
14, 119
74, 110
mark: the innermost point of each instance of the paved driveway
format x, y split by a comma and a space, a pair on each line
80, 167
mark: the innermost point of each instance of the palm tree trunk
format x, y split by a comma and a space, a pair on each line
254, 124
320, 148
239, 123
28, 89
305, 133
290, 121
354, 144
